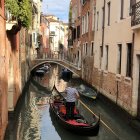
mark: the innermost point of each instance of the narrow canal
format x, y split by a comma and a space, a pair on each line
34, 121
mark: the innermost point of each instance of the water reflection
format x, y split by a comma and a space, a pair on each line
36, 123
53, 77
49, 78
29, 118
48, 131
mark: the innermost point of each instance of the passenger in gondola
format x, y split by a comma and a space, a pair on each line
71, 97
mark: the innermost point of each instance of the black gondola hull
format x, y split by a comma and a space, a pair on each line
82, 130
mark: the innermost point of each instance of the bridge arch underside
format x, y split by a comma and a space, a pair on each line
53, 62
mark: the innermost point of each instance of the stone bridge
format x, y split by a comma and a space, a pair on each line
74, 69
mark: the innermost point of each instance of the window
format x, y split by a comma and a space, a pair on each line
83, 25
34, 40
101, 55
51, 39
106, 57
0, 4
129, 60
74, 33
122, 9
92, 49
132, 2
86, 48
83, 1
78, 31
83, 49
79, 8
119, 58
108, 13
103, 17
93, 19
97, 20
87, 22
30, 40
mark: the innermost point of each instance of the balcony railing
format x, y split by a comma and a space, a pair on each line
135, 17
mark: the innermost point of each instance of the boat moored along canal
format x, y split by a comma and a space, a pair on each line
78, 124
87, 92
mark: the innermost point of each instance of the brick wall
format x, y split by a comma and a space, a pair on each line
9, 52
3, 82
117, 89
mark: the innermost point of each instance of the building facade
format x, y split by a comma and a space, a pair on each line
75, 27
44, 37
109, 48
135, 26
35, 29
56, 36
82, 27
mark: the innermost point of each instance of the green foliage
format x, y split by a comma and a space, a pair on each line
12, 6
22, 10
25, 13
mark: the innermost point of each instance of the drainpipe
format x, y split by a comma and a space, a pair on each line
117, 93
132, 55
103, 28
132, 66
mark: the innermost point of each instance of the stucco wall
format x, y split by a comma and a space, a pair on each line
117, 87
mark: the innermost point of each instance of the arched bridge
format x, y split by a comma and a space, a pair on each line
66, 64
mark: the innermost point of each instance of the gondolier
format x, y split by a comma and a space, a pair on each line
71, 96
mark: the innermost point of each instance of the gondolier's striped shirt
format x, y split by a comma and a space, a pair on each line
71, 94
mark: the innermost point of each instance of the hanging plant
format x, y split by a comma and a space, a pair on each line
21, 9
12, 6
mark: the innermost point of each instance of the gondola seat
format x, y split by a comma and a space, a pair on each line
74, 122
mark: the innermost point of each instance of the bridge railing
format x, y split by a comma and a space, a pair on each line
67, 60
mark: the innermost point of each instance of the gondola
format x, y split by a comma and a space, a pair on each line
87, 92
45, 68
78, 124
66, 73
39, 73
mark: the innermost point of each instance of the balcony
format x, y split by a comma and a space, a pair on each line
10, 20
135, 17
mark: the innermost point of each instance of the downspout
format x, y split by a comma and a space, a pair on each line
103, 28
132, 78
132, 55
